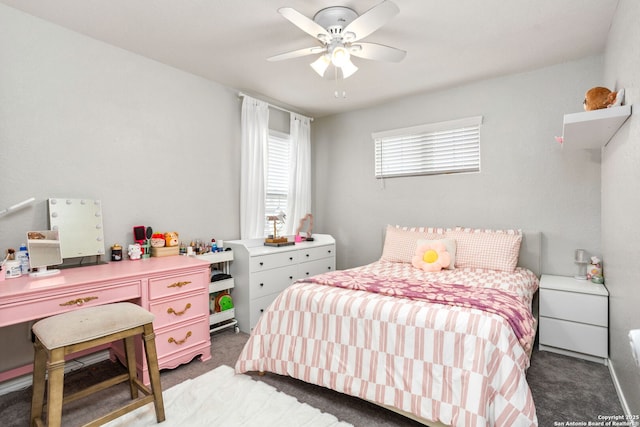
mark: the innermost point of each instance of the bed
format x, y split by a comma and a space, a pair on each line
448, 347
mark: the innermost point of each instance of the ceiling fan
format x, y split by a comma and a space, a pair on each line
339, 30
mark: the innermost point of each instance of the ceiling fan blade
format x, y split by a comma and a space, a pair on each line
378, 52
307, 25
371, 20
297, 53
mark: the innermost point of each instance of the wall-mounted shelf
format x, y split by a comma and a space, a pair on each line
593, 129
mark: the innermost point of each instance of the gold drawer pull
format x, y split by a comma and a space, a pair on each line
178, 284
182, 341
78, 301
179, 313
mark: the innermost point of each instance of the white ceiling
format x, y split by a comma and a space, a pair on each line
448, 42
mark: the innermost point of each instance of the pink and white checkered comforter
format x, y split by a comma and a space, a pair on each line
453, 364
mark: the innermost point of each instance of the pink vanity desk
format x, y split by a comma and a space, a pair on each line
174, 288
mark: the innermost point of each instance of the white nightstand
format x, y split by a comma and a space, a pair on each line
574, 318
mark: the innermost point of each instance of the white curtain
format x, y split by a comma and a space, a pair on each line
255, 134
299, 196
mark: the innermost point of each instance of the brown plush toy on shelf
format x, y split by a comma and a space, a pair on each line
598, 97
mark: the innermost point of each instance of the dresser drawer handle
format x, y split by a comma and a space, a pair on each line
290, 258
261, 284
307, 255
261, 263
178, 284
182, 341
78, 301
290, 277
179, 313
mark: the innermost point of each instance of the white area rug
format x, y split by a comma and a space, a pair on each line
222, 398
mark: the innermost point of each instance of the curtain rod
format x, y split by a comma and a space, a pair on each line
242, 95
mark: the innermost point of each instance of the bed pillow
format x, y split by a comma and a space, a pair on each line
449, 244
400, 242
490, 249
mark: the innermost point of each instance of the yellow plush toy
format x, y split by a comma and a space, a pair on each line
598, 97
171, 238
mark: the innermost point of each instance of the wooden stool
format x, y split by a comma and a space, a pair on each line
86, 328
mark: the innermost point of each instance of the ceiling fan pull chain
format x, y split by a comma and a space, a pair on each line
338, 93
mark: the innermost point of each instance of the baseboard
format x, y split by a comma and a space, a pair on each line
616, 384
25, 381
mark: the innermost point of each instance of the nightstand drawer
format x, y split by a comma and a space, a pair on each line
576, 307
578, 337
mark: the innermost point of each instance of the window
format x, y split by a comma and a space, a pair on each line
437, 148
277, 176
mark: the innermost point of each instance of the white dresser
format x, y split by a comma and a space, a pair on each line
574, 318
262, 272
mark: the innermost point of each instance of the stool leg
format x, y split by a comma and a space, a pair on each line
39, 375
149, 339
130, 353
55, 387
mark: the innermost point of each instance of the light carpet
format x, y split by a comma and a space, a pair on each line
222, 398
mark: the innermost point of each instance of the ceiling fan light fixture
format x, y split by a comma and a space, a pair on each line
340, 56
348, 68
320, 65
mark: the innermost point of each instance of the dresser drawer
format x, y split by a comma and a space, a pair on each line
182, 337
583, 308
319, 252
178, 284
579, 337
311, 268
272, 281
266, 262
259, 306
179, 309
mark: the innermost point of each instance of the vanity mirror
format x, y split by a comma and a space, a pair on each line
79, 222
44, 251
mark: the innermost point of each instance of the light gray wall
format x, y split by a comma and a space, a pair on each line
621, 201
526, 181
82, 119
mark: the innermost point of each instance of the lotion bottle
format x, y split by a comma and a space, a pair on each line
22, 256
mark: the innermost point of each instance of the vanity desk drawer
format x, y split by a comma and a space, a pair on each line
181, 339
178, 284
187, 307
46, 306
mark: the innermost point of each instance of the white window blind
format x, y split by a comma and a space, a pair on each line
277, 176
437, 148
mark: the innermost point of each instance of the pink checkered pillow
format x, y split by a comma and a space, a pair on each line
400, 243
490, 249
